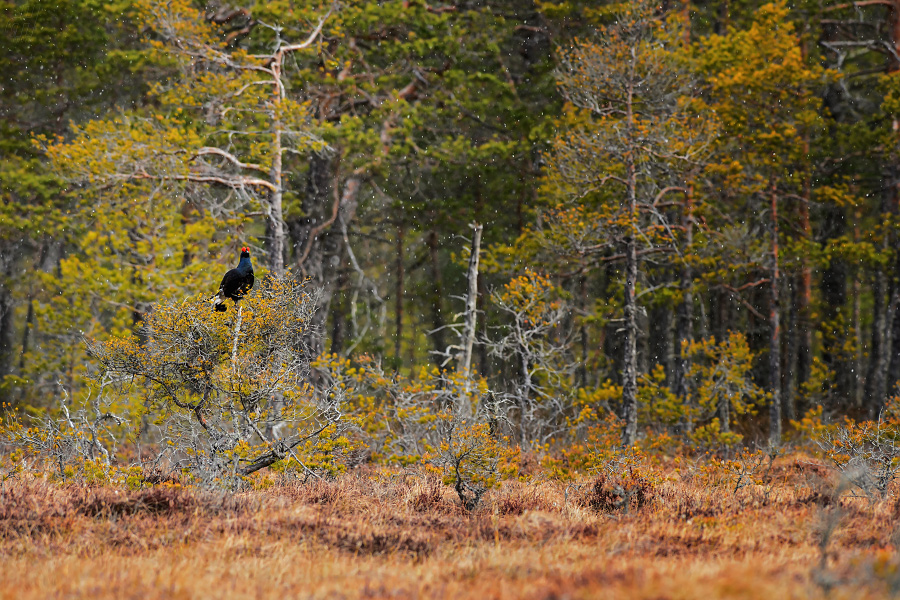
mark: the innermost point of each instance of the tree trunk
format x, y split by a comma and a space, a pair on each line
833, 287
341, 309
398, 295
629, 355
894, 25
629, 359
722, 22
523, 398
7, 331
482, 349
720, 314
885, 301
657, 344
874, 387
468, 341
889, 343
791, 348
892, 329
471, 301
723, 413
317, 237
798, 359
857, 337
582, 371
774, 331
893, 370
319, 189
686, 23
26, 334
276, 216
437, 296
685, 317
804, 297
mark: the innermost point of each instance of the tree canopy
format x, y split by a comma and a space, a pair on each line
690, 210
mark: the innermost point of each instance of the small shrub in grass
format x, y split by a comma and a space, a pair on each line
438, 419
661, 444
720, 384
753, 468
867, 454
712, 439
599, 443
518, 497
11, 465
810, 428
624, 483
471, 459
511, 505
618, 492
324, 454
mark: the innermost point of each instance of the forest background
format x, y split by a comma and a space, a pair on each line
691, 224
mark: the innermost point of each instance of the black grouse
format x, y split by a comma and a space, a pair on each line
236, 282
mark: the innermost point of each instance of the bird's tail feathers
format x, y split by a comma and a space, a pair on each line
218, 303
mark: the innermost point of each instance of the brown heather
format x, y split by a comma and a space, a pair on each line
404, 535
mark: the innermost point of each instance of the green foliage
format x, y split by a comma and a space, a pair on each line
720, 377
659, 406
148, 141
712, 438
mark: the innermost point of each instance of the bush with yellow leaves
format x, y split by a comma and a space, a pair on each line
73, 442
534, 343
471, 458
446, 421
720, 386
216, 396
866, 454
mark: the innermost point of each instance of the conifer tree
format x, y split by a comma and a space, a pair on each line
624, 151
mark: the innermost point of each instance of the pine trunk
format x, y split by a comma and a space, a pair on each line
804, 296
629, 355
582, 371
398, 295
685, 317
629, 360
774, 331
436, 300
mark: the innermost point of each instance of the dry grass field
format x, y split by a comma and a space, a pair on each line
374, 534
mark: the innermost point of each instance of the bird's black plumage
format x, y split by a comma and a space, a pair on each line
235, 283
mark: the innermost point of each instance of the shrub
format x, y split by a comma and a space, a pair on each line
614, 492
216, 396
867, 454
471, 459
439, 419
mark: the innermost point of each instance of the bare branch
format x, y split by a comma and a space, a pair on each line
209, 150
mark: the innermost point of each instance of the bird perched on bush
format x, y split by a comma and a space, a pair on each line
236, 282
